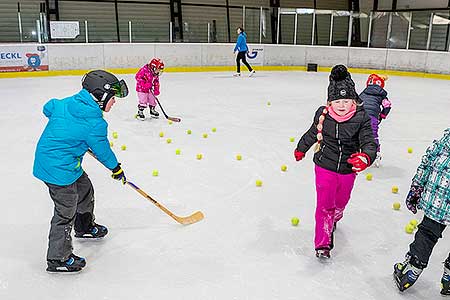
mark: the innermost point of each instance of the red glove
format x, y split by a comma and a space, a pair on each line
298, 155
359, 160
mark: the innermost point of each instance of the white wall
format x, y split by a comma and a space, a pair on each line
91, 56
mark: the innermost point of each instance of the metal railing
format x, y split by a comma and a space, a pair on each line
423, 29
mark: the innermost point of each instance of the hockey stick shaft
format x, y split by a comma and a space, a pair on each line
164, 113
193, 218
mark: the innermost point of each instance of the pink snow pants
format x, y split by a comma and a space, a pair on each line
333, 193
146, 99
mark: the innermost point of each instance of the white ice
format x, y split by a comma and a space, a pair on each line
246, 247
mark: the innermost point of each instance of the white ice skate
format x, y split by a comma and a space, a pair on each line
237, 75
377, 162
251, 73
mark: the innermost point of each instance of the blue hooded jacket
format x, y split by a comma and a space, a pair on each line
241, 44
75, 125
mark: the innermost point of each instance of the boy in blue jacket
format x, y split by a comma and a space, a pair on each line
75, 126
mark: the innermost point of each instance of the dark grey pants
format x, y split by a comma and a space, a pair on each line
74, 203
427, 235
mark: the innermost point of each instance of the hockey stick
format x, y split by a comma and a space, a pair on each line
164, 113
194, 218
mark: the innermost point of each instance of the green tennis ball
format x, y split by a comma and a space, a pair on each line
214, 129
283, 168
115, 135
155, 173
169, 140
177, 151
123, 147
205, 135
292, 139
239, 157
295, 221
189, 131
259, 183
161, 134
199, 156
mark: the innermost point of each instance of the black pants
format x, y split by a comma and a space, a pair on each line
242, 55
74, 203
426, 237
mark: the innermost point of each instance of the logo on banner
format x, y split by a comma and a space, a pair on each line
253, 54
34, 60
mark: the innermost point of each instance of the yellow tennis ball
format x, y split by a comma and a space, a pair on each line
123, 147
170, 122
214, 129
369, 176
283, 168
295, 221
155, 173
199, 156
161, 134
413, 222
111, 144
205, 135
409, 228
410, 150
396, 205
239, 157
169, 140
177, 151
115, 135
189, 131
259, 183
394, 189
291, 139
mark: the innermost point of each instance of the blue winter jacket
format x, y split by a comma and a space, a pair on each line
241, 44
75, 125
372, 98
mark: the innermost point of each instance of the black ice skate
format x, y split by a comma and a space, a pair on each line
323, 253
95, 231
153, 112
445, 281
237, 75
72, 264
405, 274
140, 114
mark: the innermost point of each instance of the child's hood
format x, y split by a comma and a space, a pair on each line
376, 90
80, 105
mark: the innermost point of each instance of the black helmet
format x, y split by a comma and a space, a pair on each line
103, 86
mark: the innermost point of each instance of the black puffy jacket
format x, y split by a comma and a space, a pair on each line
372, 98
340, 140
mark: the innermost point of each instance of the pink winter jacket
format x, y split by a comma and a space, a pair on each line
146, 81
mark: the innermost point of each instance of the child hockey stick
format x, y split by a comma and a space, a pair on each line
164, 113
194, 218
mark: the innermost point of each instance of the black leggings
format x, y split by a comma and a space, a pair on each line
241, 55
427, 236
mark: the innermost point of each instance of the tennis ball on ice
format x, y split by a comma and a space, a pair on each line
170, 122
413, 222
111, 144
294, 221
214, 129
161, 134
155, 173
239, 157
291, 139
177, 151
283, 168
268, 103
115, 135
123, 147
205, 135
396, 205
189, 131
410, 150
369, 176
199, 156
169, 141
409, 228
258, 182
394, 189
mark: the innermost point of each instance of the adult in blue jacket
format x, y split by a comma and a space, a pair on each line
75, 126
241, 50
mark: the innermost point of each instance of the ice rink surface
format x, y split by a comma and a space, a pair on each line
246, 247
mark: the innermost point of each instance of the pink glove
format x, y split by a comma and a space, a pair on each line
298, 155
359, 160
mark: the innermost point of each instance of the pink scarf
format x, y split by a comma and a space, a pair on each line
343, 118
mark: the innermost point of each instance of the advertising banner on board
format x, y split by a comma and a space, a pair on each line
255, 55
23, 58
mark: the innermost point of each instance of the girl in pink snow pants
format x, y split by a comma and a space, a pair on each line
344, 145
147, 87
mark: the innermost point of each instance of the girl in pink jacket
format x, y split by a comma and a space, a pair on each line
147, 87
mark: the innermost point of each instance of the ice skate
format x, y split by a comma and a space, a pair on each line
377, 162
405, 274
252, 72
237, 75
153, 112
72, 265
140, 115
95, 231
445, 280
323, 253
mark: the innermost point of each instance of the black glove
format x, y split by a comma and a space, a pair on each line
118, 174
415, 192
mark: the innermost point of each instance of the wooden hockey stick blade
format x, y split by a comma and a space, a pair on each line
194, 218
174, 119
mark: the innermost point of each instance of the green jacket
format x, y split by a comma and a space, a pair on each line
433, 174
